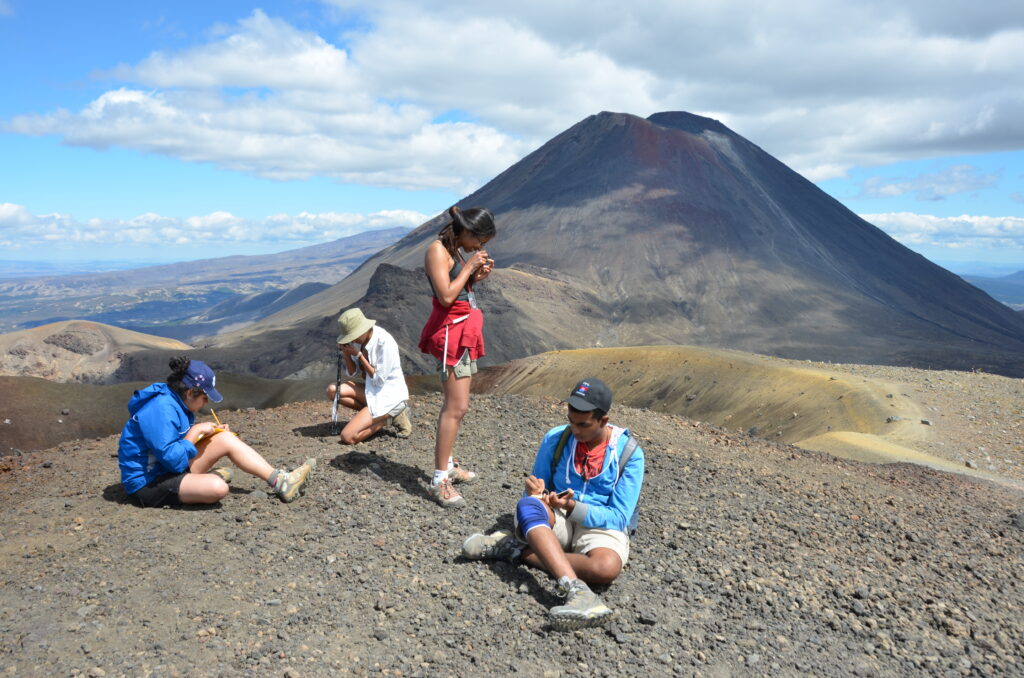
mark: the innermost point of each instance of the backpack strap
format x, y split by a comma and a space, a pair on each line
563, 440
627, 452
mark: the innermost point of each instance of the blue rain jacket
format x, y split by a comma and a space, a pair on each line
153, 440
601, 501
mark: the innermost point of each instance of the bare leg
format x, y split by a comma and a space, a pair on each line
456, 404
231, 446
361, 426
202, 488
599, 566
353, 395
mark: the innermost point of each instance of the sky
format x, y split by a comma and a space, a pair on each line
164, 131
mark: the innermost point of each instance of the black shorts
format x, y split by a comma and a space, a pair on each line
161, 492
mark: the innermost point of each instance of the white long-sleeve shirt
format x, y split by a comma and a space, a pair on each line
386, 389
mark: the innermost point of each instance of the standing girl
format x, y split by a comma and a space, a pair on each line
454, 333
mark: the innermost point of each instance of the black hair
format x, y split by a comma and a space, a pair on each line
596, 413
179, 366
477, 220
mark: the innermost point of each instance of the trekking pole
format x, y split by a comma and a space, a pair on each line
337, 397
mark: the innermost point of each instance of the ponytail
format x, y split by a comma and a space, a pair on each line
179, 366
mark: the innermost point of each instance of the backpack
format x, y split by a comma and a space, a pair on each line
627, 452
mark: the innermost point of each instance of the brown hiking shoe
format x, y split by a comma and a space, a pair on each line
290, 486
457, 474
224, 472
446, 495
403, 427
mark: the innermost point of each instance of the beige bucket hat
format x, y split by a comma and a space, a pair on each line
353, 324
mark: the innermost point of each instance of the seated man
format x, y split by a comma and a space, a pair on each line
367, 347
578, 508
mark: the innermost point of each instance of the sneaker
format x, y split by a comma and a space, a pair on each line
583, 608
446, 495
457, 474
292, 485
500, 545
225, 472
403, 427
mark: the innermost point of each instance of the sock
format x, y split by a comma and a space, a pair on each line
451, 463
274, 477
439, 477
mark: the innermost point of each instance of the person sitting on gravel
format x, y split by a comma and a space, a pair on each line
369, 348
578, 508
167, 459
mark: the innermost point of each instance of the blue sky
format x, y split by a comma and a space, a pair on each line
162, 131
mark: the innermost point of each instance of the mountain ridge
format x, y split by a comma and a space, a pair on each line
685, 232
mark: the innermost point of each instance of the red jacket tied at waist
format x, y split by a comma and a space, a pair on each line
461, 334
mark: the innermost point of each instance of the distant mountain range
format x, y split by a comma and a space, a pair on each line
1008, 289
39, 269
188, 299
667, 230
621, 231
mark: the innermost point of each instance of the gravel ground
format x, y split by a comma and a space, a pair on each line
752, 559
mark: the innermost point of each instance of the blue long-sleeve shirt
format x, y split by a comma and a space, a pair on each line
601, 501
153, 439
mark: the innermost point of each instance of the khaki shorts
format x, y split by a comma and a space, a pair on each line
462, 369
575, 538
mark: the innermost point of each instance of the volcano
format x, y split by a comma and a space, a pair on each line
625, 231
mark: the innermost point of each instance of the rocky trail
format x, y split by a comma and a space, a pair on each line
753, 558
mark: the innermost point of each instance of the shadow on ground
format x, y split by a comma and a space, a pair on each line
410, 478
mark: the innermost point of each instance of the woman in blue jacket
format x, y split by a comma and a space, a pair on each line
166, 458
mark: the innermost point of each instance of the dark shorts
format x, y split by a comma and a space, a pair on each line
161, 492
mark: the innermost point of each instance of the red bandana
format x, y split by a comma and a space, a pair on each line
589, 461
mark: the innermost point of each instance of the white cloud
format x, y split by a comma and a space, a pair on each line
934, 186
963, 232
21, 230
445, 95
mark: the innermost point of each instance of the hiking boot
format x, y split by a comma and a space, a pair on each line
446, 495
291, 486
457, 474
583, 608
403, 427
225, 472
500, 545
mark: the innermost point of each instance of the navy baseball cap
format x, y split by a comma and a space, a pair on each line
590, 394
199, 375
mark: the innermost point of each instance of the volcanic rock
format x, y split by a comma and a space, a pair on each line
676, 230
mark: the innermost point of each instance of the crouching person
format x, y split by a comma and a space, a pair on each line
383, 397
167, 459
578, 508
